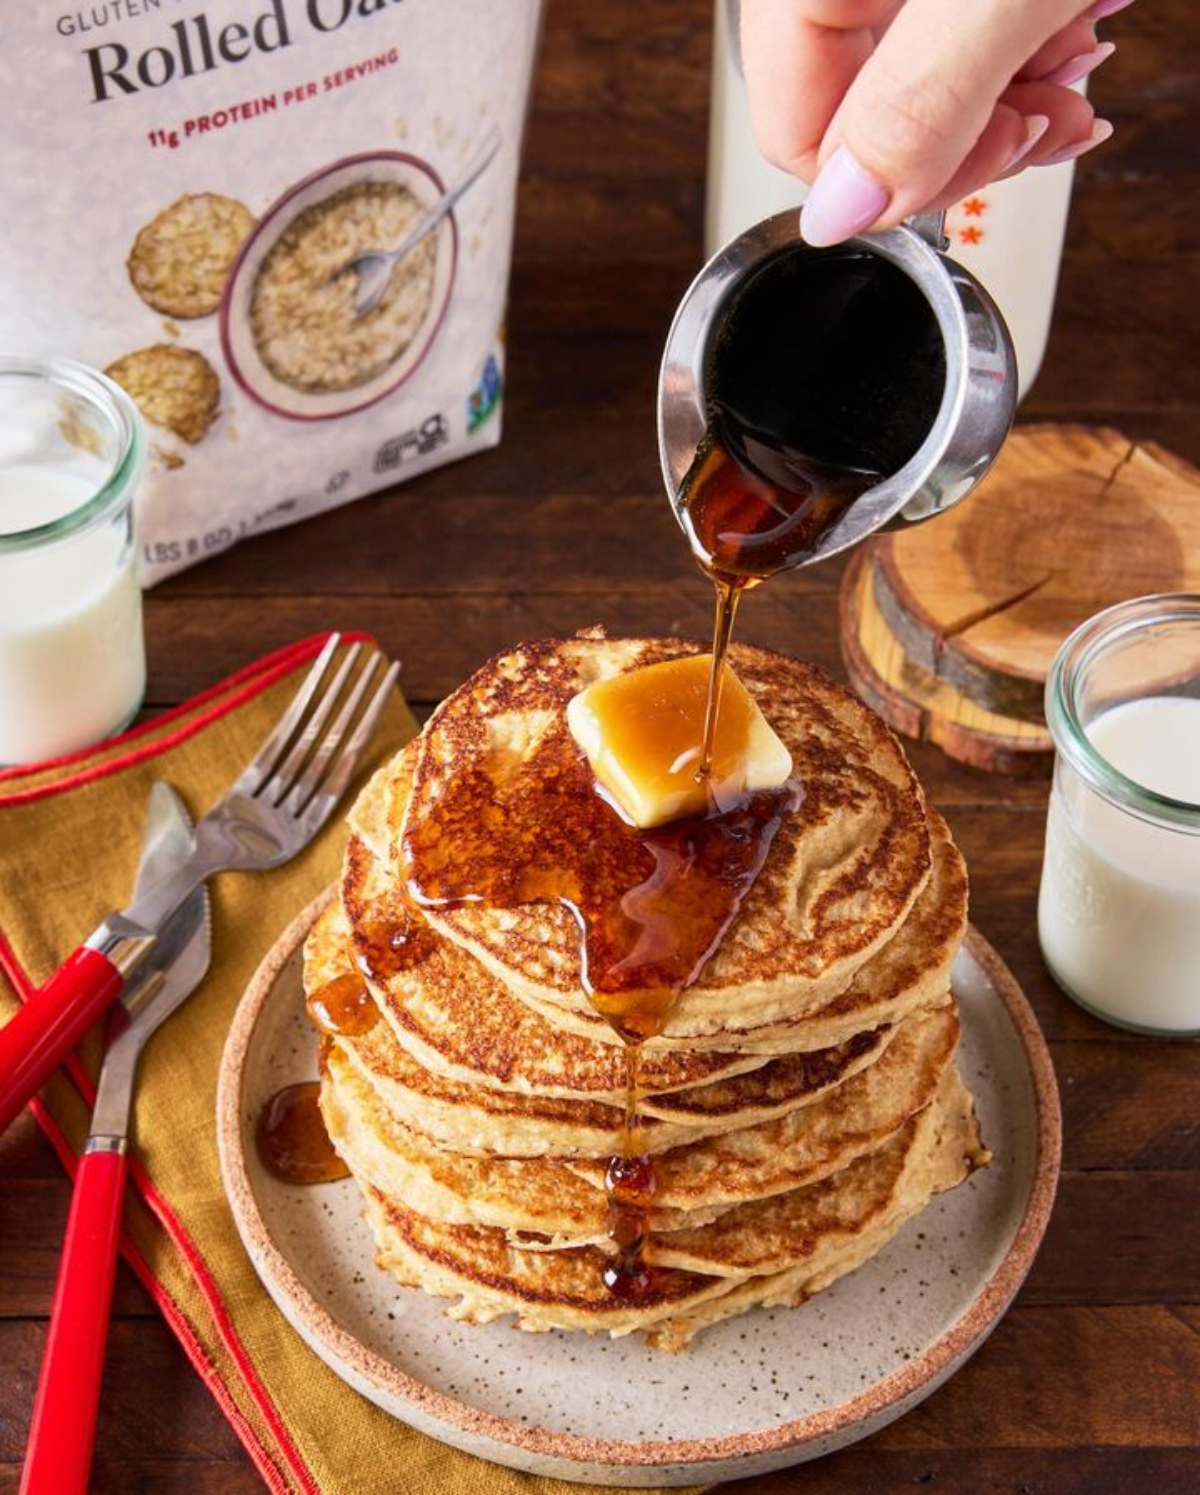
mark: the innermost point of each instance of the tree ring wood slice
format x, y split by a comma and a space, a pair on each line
1070, 520
918, 704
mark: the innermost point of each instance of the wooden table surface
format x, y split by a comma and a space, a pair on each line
1092, 1382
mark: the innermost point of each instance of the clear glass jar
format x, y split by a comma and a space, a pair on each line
72, 659
1119, 909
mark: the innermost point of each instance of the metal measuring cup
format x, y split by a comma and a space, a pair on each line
978, 399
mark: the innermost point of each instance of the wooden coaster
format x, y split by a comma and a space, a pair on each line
1071, 520
916, 703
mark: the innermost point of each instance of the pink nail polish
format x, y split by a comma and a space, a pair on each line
844, 200
1036, 126
1107, 8
1079, 67
1101, 131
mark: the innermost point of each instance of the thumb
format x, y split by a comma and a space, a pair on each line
920, 105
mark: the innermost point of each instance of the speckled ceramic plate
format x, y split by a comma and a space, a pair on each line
763, 1391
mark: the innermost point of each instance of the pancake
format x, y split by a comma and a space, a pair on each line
493, 1123
565, 1200
461, 1024
490, 1277
481, 1120
842, 874
538, 1202
769, 1252
911, 971
854, 1118
931, 1151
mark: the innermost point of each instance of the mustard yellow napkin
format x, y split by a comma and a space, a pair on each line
69, 841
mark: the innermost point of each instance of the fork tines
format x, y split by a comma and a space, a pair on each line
303, 766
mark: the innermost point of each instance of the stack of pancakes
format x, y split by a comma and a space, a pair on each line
801, 1104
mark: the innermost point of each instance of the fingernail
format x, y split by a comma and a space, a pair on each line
1079, 67
1036, 126
1101, 130
844, 200
1107, 8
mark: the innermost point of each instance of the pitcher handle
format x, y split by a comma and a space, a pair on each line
931, 227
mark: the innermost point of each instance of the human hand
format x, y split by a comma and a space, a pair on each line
894, 107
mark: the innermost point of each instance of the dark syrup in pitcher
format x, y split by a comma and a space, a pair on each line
824, 377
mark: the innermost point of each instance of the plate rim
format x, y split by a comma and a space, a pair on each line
895, 1391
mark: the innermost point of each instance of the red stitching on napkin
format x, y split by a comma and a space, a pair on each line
271, 668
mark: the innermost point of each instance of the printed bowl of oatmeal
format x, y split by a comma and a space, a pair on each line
288, 326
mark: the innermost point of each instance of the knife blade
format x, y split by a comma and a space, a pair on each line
169, 973
166, 844
166, 837
165, 980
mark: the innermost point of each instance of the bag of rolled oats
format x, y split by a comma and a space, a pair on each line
238, 209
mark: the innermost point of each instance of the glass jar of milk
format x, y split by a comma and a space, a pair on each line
1119, 911
72, 660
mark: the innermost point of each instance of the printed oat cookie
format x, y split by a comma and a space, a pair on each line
198, 188
181, 259
175, 388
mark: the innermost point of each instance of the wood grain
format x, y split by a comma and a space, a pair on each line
1090, 1387
1070, 520
914, 701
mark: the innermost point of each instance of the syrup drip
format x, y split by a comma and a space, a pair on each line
394, 938
630, 1185
291, 1139
343, 1006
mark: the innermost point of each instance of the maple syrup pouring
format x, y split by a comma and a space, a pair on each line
824, 376
729, 594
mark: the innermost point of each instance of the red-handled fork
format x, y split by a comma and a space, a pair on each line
283, 797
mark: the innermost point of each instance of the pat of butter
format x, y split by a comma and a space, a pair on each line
642, 732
